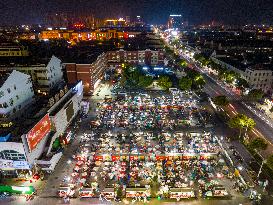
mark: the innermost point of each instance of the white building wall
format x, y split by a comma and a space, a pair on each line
16, 93
259, 79
59, 120
54, 71
37, 152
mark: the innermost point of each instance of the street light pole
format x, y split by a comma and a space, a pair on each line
260, 171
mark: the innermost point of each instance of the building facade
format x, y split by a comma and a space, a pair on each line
61, 116
175, 21
13, 51
259, 77
37, 138
71, 35
141, 57
90, 74
44, 77
16, 94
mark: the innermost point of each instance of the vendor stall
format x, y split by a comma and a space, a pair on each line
137, 192
181, 193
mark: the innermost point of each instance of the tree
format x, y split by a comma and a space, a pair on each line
222, 73
185, 83
183, 63
255, 95
214, 66
258, 143
196, 56
199, 81
155, 185
164, 82
241, 121
133, 77
119, 192
221, 100
230, 76
56, 144
269, 161
242, 83
145, 81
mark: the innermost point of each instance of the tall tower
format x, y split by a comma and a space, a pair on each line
127, 20
175, 21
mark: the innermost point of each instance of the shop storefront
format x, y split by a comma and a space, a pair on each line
13, 160
181, 193
137, 192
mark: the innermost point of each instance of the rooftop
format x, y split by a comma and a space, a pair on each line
262, 67
237, 63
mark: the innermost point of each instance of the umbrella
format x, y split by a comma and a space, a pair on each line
84, 174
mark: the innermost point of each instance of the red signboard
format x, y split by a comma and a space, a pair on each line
38, 132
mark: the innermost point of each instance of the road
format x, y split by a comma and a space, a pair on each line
215, 88
262, 129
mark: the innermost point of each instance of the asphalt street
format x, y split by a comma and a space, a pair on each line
214, 88
261, 129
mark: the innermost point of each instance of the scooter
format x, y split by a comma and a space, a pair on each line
29, 197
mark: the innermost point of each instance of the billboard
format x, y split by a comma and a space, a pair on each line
69, 111
11, 165
38, 132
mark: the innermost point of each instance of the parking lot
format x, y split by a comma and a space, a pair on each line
137, 149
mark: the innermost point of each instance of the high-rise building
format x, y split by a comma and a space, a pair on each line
57, 20
127, 20
115, 22
175, 21
139, 21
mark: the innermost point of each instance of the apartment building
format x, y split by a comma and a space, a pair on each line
259, 77
45, 77
90, 74
142, 57
16, 94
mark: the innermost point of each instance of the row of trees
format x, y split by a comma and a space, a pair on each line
193, 80
134, 78
231, 77
239, 121
245, 124
200, 58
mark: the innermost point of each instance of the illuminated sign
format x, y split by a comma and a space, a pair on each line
10, 164
78, 25
78, 88
6, 124
57, 96
38, 132
22, 189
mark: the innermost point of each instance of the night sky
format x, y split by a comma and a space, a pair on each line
153, 11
